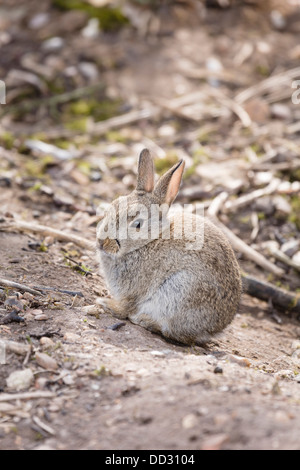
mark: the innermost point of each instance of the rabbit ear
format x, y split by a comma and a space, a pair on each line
145, 180
167, 186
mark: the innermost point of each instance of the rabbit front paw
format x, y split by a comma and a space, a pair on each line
113, 307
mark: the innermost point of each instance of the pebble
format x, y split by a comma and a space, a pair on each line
296, 357
285, 374
71, 337
296, 257
41, 317
258, 110
53, 44
214, 442
277, 19
20, 379
38, 21
295, 344
157, 353
241, 361
282, 205
189, 421
280, 111
46, 342
291, 247
45, 361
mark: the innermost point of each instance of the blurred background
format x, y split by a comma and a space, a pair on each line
89, 83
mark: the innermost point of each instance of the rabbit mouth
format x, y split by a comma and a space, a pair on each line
109, 245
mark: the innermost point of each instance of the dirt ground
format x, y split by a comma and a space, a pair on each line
115, 385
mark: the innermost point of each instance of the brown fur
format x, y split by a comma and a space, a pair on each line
187, 295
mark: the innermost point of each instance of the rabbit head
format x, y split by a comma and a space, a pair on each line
133, 221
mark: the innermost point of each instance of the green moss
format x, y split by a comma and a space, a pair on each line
75, 114
163, 164
110, 18
82, 107
7, 140
294, 217
263, 70
37, 168
295, 175
244, 219
77, 125
115, 136
84, 167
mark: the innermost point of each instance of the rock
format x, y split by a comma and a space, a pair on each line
214, 442
41, 317
20, 379
265, 205
295, 344
278, 20
241, 361
47, 343
91, 30
189, 421
258, 110
53, 44
38, 21
71, 337
285, 374
280, 111
296, 357
45, 361
291, 247
157, 353
282, 205
296, 257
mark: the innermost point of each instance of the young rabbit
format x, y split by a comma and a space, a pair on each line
169, 284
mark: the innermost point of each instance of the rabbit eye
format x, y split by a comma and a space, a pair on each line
137, 223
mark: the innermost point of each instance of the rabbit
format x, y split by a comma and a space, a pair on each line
164, 284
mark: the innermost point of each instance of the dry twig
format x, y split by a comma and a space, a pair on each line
265, 291
16, 285
20, 226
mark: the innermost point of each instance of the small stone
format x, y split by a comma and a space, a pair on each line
41, 383
280, 111
291, 247
36, 312
45, 361
189, 421
241, 361
47, 343
285, 374
68, 379
38, 21
258, 110
53, 44
218, 370
295, 344
296, 357
157, 353
282, 205
20, 379
71, 337
41, 317
214, 442
296, 257
277, 19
